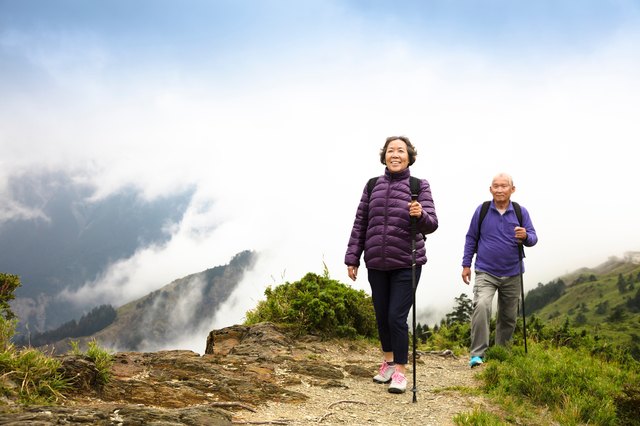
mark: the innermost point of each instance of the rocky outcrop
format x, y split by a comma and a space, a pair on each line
243, 367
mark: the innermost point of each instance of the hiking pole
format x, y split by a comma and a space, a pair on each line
414, 197
524, 320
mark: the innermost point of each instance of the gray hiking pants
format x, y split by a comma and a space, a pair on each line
484, 289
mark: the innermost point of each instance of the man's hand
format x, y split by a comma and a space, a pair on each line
466, 274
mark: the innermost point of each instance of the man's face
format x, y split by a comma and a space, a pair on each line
501, 189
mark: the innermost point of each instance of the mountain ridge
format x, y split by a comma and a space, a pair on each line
603, 301
182, 306
57, 236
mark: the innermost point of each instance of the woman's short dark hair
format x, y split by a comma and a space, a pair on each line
411, 150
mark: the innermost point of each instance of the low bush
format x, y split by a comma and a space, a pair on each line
317, 305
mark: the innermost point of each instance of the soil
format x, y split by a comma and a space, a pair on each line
446, 386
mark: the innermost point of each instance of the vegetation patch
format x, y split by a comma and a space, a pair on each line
102, 359
28, 375
317, 305
577, 387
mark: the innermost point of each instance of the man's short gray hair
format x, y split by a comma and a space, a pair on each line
504, 175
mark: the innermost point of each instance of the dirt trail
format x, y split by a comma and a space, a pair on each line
443, 384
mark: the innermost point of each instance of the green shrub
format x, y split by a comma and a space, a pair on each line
317, 305
455, 336
8, 285
28, 375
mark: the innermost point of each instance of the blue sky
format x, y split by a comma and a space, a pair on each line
222, 36
291, 101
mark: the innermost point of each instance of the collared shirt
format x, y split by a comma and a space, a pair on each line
498, 251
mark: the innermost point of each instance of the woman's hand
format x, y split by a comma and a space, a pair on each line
415, 209
353, 272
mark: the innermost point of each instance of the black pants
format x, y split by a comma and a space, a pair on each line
392, 294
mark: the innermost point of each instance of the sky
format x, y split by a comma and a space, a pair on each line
276, 110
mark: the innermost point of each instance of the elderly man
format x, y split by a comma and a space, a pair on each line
496, 239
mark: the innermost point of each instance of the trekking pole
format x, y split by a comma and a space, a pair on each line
414, 197
524, 320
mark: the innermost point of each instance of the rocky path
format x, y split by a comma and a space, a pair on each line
445, 387
257, 375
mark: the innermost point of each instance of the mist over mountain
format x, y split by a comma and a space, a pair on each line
170, 316
57, 235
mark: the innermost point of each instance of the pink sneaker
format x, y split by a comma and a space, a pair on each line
398, 383
385, 373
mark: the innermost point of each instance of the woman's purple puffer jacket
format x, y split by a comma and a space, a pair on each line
382, 225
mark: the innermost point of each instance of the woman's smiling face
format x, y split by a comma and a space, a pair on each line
396, 156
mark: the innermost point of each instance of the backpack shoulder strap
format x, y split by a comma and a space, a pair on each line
371, 184
483, 212
414, 183
518, 210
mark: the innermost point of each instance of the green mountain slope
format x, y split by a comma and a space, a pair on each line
603, 301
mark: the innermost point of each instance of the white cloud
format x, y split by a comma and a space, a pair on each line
279, 160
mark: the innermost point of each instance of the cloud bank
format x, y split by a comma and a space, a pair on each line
279, 133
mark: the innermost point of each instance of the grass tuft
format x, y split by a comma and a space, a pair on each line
576, 387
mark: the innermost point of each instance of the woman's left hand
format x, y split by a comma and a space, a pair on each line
415, 209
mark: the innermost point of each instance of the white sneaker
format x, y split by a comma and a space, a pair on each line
385, 373
398, 383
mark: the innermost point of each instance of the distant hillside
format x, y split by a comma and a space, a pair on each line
175, 310
604, 301
55, 236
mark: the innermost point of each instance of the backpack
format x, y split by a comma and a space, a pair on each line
485, 209
414, 184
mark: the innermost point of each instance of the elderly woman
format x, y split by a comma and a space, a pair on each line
383, 230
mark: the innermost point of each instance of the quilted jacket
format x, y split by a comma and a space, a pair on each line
382, 225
